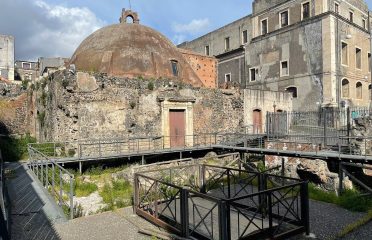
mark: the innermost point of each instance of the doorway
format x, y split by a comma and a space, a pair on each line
177, 125
257, 121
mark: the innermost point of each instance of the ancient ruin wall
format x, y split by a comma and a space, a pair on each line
82, 106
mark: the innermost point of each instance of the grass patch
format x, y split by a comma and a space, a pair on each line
350, 199
117, 195
15, 149
351, 227
83, 189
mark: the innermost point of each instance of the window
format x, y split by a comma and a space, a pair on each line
228, 77
358, 58
369, 62
344, 53
284, 68
370, 91
364, 24
245, 36
305, 10
351, 16
26, 66
253, 73
345, 88
264, 27
359, 90
336, 8
174, 68
284, 21
227, 43
292, 90
206, 50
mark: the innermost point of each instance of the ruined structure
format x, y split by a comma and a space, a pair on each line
83, 106
133, 50
317, 50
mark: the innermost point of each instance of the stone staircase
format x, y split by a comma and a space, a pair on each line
33, 212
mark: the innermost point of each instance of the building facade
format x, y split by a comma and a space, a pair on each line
7, 57
317, 50
26, 71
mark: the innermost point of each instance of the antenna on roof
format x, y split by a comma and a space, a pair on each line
130, 5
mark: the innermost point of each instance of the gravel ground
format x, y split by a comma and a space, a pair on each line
363, 233
327, 220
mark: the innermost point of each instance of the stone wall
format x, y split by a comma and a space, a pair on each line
82, 106
15, 110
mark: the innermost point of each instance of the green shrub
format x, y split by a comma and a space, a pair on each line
117, 195
349, 199
15, 149
132, 105
150, 86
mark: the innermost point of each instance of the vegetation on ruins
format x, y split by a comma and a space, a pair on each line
15, 148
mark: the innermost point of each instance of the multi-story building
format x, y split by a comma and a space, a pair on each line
26, 70
7, 57
50, 65
318, 50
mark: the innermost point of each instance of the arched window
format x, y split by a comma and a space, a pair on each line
129, 19
174, 64
292, 90
370, 91
359, 90
345, 88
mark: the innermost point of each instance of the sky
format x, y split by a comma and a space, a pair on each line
55, 28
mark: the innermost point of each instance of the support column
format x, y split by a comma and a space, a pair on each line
80, 167
143, 160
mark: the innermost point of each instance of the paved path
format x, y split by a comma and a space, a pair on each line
117, 225
32, 211
363, 233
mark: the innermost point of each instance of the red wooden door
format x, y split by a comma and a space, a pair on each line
177, 123
257, 121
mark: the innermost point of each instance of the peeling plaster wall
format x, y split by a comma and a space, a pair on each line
302, 48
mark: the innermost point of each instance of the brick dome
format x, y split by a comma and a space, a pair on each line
133, 50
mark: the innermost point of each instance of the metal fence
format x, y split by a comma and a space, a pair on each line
4, 205
53, 177
327, 124
101, 148
212, 202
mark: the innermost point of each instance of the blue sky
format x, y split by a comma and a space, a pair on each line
56, 27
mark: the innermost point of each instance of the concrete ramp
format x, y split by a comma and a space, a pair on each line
33, 212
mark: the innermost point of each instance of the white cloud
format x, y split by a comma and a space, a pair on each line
193, 27
178, 39
46, 30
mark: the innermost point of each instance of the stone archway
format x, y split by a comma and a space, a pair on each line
129, 14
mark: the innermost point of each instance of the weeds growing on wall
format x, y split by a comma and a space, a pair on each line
15, 149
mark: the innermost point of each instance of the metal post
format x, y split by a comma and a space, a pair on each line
53, 184
60, 187
202, 179
325, 127
42, 172
180, 155
143, 160
71, 198
340, 178
46, 175
305, 207
80, 167
270, 212
224, 220
136, 193
185, 213
228, 184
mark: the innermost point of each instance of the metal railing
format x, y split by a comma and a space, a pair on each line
57, 180
214, 202
100, 148
4, 204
